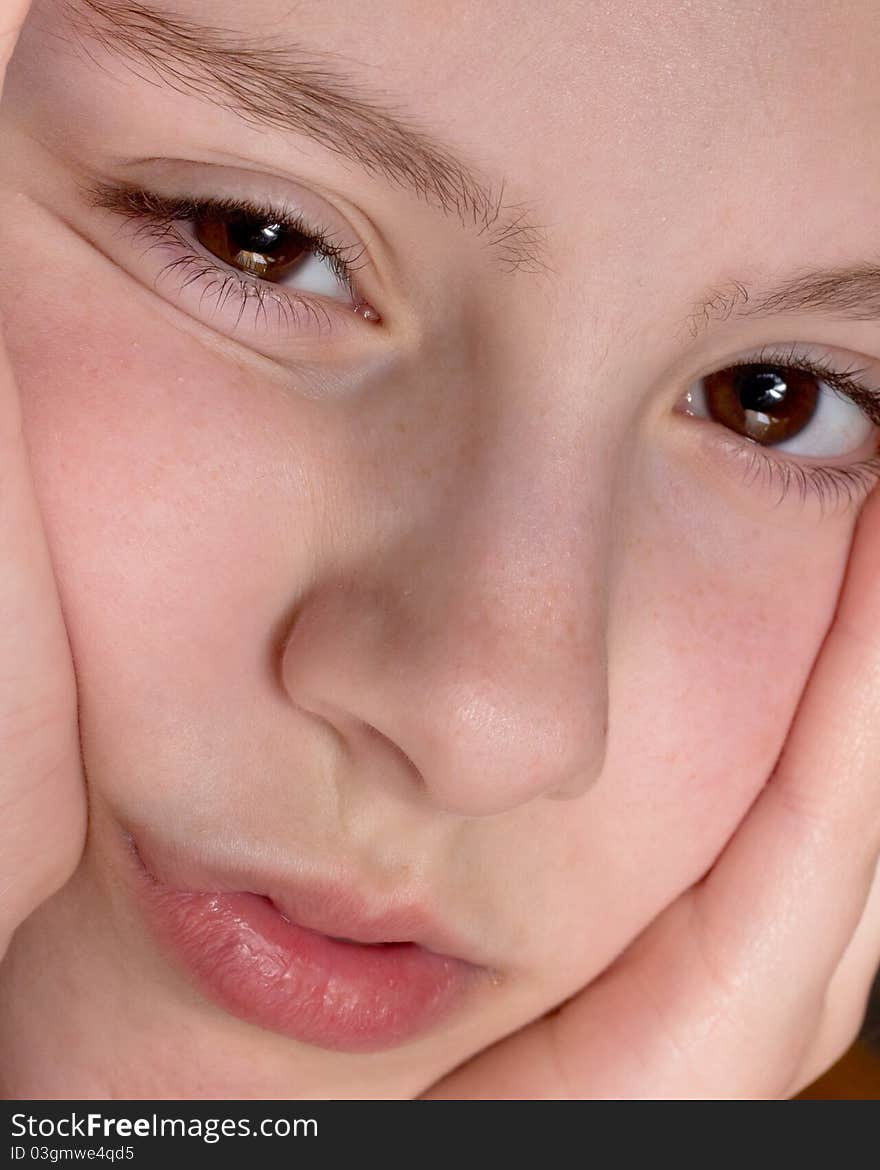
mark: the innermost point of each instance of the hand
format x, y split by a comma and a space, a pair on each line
756, 979
42, 791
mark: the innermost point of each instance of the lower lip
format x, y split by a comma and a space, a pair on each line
268, 971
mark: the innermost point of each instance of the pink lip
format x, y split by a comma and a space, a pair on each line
280, 959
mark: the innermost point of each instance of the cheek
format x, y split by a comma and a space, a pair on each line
170, 506
720, 660
721, 622
716, 623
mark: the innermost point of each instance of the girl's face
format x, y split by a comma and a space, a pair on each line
467, 618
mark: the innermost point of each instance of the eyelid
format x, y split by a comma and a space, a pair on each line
847, 380
838, 486
345, 258
160, 220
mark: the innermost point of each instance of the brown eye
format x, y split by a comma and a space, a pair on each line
258, 246
766, 403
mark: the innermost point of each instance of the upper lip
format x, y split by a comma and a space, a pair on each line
336, 908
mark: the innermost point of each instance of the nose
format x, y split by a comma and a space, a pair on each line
471, 656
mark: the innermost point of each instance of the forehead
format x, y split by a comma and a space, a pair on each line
616, 118
581, 92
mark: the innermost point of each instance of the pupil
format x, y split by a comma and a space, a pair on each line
248, 235
761, 390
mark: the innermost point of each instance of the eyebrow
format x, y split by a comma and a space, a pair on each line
848, 291
307, 92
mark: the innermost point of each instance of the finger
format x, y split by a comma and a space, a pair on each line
42, 805
846, 999
41, 786
12, 15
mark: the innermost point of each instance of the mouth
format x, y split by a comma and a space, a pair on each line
307, 960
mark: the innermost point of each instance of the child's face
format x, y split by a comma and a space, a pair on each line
460, 606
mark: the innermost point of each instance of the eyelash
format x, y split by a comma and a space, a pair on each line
847, 485
156, 218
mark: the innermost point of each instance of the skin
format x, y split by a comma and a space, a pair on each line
499, 512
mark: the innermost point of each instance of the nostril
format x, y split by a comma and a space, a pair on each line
375, 733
